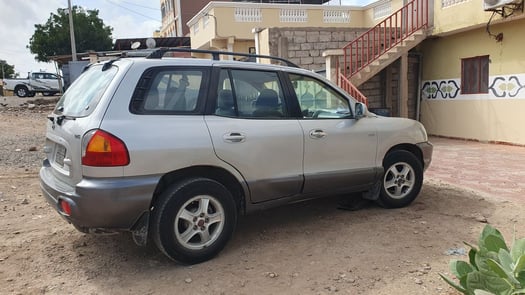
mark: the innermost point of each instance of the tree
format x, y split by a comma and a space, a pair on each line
7, 69
52, 38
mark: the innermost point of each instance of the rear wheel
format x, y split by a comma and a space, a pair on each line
193, 220
21, 91
402, 180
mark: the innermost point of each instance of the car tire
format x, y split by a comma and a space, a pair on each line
193, 220
21, 91
402, 179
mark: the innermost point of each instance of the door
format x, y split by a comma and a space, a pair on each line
339, 151
252, 131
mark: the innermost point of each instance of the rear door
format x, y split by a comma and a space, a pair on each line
252, 130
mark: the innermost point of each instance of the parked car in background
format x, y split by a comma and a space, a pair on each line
45, 83
174, 149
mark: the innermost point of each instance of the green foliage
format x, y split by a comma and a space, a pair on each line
53, 38
8, 70
492, 269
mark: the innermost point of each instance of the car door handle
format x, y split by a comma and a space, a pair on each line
317, 133
234, 137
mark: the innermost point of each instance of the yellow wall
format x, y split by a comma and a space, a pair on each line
442, 56
460, 16
487, 117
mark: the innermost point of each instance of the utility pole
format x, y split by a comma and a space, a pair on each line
72, 33
3, 73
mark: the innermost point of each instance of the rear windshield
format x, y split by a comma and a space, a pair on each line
84, 94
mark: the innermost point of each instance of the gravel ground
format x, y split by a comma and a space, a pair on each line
23, 131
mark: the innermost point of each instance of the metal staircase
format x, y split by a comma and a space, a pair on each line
383, 44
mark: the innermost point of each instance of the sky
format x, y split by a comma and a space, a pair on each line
128, 18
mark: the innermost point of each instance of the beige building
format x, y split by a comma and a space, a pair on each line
175, 14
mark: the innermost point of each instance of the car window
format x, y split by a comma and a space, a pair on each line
173, 90
317, 100
250, 94
84, 94
50, 76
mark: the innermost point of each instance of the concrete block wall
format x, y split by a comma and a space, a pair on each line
305, 46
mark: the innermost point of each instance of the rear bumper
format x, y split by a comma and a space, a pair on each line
426, 149
109, 204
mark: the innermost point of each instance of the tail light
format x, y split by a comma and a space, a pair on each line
102, 149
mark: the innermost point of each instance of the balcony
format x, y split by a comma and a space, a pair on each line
219, 23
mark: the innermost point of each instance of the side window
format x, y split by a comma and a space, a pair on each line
173, 90
317, 100
250, 94
50, 76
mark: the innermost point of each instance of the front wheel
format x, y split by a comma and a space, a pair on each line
193, 220
402, 180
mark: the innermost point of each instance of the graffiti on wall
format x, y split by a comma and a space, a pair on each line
506, 86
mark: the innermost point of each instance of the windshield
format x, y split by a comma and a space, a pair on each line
84, 94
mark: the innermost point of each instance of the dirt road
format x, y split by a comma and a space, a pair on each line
306, 248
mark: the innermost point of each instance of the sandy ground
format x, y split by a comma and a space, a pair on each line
305, 248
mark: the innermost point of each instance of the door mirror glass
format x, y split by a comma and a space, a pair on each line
360, 110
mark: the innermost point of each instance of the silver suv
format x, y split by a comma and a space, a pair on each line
176, 148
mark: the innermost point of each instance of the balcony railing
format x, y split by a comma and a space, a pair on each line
384, 36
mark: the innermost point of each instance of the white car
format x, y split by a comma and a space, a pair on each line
176, 148
45, 83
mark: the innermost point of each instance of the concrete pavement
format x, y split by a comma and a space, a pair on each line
493, 169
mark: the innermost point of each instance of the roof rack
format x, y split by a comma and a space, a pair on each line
159, 53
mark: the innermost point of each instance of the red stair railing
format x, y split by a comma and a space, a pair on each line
347, 86
369, 46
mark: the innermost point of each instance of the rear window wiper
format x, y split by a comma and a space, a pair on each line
60, 118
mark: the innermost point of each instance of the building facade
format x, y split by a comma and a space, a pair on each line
462, 77
473, 79
176, 13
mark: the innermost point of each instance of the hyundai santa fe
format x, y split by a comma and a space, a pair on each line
174, 149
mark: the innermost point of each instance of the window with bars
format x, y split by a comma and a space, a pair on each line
475, 75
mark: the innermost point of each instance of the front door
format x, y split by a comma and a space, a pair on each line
339, 151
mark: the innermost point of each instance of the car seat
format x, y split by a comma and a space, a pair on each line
267, 104
225, 106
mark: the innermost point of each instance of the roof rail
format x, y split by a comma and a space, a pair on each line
159, 53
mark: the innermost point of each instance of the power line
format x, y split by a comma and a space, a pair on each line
152, 8
131, 10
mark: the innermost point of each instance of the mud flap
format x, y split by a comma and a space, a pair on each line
373, 193
140, 230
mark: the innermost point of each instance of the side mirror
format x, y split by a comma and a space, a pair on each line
360, 110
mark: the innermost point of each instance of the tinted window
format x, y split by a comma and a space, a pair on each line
84, 94
250, 94
318, 100
170, 90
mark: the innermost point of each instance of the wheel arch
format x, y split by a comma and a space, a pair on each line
412, 148
218, 174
